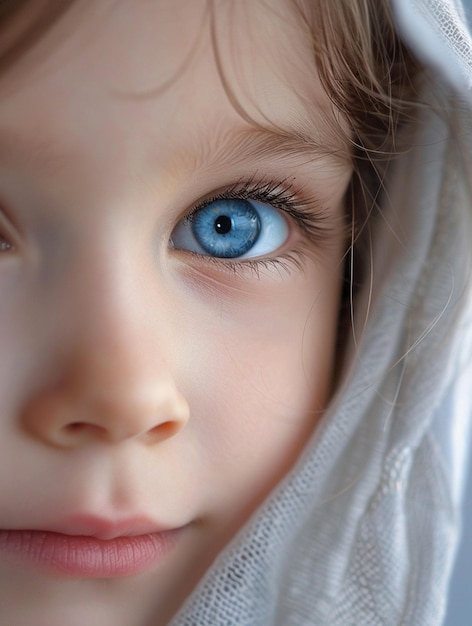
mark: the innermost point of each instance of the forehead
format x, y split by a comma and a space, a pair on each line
205, 67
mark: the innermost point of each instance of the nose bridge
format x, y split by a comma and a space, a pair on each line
116, 319
116, 380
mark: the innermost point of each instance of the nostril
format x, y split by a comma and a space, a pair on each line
81, 431
81, 428
164, 430
76, 426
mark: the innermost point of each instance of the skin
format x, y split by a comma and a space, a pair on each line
137, 379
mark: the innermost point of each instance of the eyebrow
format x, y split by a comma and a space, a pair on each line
223, 147
261, 143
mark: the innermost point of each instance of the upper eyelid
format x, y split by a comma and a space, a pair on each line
309, 213
280, 194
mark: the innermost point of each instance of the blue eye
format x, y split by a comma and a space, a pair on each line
232, 228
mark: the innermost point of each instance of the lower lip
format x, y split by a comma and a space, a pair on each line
88, 557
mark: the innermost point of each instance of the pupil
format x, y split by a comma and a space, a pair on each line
223, 224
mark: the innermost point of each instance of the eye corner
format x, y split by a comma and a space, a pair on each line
6, 246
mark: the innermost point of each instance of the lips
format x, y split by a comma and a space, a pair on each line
91, 547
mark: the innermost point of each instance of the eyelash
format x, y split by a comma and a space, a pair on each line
307, 213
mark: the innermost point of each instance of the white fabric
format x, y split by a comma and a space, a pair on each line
364, 530
438, 31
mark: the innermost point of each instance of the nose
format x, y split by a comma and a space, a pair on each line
102, 398
113, 386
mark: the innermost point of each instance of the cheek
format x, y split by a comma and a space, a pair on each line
264, 379
16, 339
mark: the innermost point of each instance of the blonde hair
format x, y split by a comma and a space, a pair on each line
373, 81
365, 68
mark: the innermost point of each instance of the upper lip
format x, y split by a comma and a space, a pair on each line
89, 525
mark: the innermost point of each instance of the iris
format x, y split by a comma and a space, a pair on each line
226, 229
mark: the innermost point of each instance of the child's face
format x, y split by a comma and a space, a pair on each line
144, 386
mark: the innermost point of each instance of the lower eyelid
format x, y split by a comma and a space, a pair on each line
272, 269
291, 256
